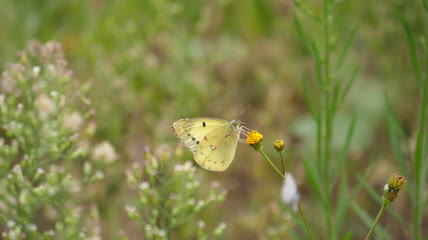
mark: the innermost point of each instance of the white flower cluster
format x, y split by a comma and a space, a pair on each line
160, 184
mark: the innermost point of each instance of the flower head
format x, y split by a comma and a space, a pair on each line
73, 121
254, 139
279, 145
45, 104
105, 151
396, 182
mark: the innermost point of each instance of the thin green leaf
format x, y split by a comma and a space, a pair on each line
348, 235
305, 10
344, 204
368, 221
425, 4
335, 100
338, 3
346, 47
310, 47
301, 34
348, 85
341, 201
411, 43
396, 134
318, 66
296, 218
310, 101
345, 148
314, 179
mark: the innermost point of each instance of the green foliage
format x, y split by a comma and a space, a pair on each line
44, 125
167, 197
315, 74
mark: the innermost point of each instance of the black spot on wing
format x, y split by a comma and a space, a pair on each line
204, 124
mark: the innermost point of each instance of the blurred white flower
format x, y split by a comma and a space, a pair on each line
36, 70
99, 175
73, 121
219, 230
45, 105
143, 185
161, 233
132, 211
104, 151
24, 197
201, 224
75, 186
20, 108
289, 192
32, 227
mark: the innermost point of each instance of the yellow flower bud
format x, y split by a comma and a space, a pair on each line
279, 145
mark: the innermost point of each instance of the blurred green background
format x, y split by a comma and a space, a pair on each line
153, 62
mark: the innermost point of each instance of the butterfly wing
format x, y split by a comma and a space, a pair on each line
217, 149
213, 141
191, 131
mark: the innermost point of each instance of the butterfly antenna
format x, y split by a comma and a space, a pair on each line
243, 111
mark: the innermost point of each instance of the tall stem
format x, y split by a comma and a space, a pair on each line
375, 222
420, 164
271, 163
326, 91
311, 235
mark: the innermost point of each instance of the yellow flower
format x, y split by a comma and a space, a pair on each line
279, 145
254, 139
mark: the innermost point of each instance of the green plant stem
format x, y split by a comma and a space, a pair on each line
376, 221
271, 163
298, 205
281, 155
311, 235
420, 164
327, 133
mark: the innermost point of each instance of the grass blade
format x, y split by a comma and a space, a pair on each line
367, 220
309, 100
396, 134
345, 148
314, 179
345, 50
348, 85
411, 43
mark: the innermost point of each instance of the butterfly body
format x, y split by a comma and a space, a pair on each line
212, 141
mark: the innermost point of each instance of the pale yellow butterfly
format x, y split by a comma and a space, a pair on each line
213, 141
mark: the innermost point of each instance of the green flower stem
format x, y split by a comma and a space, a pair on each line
281, 155
271, 163
298, 205
311, 235
376, 221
